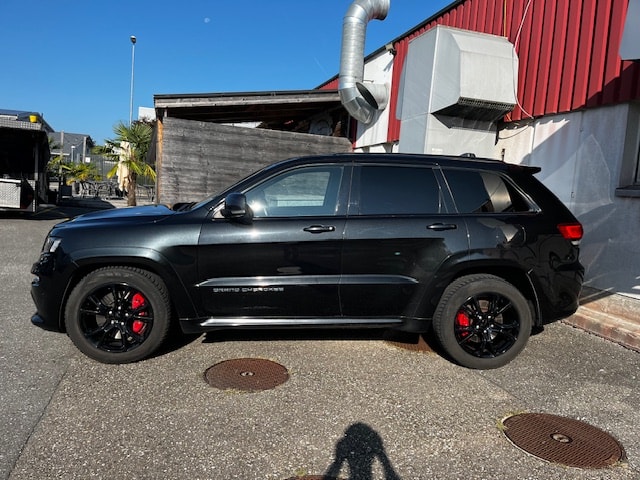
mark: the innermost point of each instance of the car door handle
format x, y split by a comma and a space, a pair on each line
442, 226
320, 229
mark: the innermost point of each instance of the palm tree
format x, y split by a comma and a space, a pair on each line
56, 165
81, 172
129, 147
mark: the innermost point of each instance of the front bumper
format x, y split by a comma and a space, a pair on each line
39, 321
47, 292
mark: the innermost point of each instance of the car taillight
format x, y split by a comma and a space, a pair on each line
571, 231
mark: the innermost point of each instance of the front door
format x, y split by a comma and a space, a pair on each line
285, 263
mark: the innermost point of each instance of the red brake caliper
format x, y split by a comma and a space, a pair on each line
138, 301
463, 322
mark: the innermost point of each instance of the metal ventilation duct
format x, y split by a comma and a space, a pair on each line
455, 85
360, 100
472, 75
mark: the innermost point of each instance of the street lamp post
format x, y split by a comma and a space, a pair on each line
133, 56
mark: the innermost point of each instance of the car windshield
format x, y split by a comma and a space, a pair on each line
179, 207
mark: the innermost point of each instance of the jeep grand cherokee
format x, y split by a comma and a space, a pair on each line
477, 249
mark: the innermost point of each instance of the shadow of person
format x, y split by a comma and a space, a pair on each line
359, 448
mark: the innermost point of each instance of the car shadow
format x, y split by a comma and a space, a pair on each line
175, 340
425, 342
409, 340
291, 334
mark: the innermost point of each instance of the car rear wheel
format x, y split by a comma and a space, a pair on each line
118, 314
482, 321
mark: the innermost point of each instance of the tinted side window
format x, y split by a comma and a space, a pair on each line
389, 190
302, 192
484, 192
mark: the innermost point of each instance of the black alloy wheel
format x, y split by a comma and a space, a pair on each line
482, 321
118, 314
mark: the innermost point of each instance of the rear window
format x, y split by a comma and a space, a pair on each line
484, 192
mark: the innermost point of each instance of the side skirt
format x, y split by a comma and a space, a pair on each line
200, 325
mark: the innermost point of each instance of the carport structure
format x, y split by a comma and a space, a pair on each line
203, 143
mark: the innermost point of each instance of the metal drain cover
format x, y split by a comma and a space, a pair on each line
563, 440
247, 374
407, 341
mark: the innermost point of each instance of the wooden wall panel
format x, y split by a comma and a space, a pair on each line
201, 158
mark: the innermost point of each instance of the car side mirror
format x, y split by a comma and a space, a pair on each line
235, 207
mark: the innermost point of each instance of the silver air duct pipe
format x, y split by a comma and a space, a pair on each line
361, 101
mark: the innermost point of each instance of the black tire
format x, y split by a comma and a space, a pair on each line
482, 321
118, 314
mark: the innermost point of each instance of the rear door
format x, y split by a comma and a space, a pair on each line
399, 233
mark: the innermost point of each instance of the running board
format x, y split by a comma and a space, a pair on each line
195, 326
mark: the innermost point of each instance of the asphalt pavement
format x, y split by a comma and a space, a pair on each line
355, 406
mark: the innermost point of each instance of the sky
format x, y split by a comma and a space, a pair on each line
71, 60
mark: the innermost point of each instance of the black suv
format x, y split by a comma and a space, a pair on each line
479, 249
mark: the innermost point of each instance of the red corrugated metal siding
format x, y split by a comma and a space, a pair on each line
585, 48
566, 81
557, 56
332, 85
567, 49
613, 66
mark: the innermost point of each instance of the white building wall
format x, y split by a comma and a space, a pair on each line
581, 156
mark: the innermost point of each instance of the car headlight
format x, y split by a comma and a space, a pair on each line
51, 244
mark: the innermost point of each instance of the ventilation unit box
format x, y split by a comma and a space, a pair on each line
455, 85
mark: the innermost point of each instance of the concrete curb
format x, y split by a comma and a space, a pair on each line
614, 328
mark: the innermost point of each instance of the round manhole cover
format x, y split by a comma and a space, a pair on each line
414, 342
563, 440
247, 374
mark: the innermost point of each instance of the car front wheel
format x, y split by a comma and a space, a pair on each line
482, 321
118, 314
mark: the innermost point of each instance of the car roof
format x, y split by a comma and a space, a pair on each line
465, 161
471, 163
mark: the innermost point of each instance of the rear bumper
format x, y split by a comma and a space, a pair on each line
562, 300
